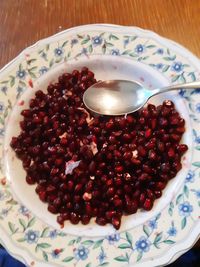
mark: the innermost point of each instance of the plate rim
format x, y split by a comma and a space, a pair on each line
194, 235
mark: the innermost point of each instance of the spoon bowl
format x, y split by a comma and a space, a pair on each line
119, 97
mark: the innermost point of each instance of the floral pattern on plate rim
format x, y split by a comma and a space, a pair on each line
156, 235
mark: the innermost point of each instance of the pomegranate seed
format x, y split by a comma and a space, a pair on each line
147, 204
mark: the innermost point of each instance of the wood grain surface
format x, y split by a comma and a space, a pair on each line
23, 22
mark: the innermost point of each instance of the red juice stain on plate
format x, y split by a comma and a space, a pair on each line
30, 82
21, 103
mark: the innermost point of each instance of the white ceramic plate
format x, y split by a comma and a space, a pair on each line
147, 238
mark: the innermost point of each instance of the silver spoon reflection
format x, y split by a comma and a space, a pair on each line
119, 97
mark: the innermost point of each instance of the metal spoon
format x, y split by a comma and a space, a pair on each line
118, 97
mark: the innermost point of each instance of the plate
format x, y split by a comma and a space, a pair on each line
150, 239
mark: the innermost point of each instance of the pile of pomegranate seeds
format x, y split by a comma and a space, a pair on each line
103, 167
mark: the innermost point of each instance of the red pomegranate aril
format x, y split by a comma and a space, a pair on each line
116, 222
134, 158
148, 204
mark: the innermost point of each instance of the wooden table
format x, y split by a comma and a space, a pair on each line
23, 22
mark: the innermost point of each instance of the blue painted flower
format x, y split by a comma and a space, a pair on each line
81, 253
43, 70
185, 209
198, 107
23, 210
197, 192
182, 92
97, 40
4, 89
1, 107
44, 55
58, 51
196, 137
2, 195
159, 66
139, 48
102, 256
196, 91
152, 224
177, 66
2, 131
21, 74
190, 177
143, 244
113, 238
172, 231
115, 52
32, 236
73, 42
53, 234
160, 51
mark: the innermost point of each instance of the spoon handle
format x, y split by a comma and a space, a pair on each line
191, 85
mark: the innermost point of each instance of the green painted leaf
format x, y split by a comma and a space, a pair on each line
192, 76
33, 68
86, 40
133, 38
182, 78
156, 245
47, 47
133, 55
144, 58
67, 259
80, 36
88, 264
124, 246
78, 239
158, 238
168, 51
21, 240
23, 223
12, 81
104, 264
121, 258
32, 74
45, 256
87, 242
62, 234
171, 205
65, 43
197, 147
129, 238
175, 78
172, 58
199, 203
186, 190
5, 113
166, 67
183, 223
4, 82
58, 60
146, 230
170, 211
168, 241
179, 199
139, 256
113, 37
11, 227
20, 67
109, 44
43, 245
69, 54
90, 49
126, 52
31, 222
196, 164
51, 62
2, 121
71, 242
150, 46
98, 244
45, 232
